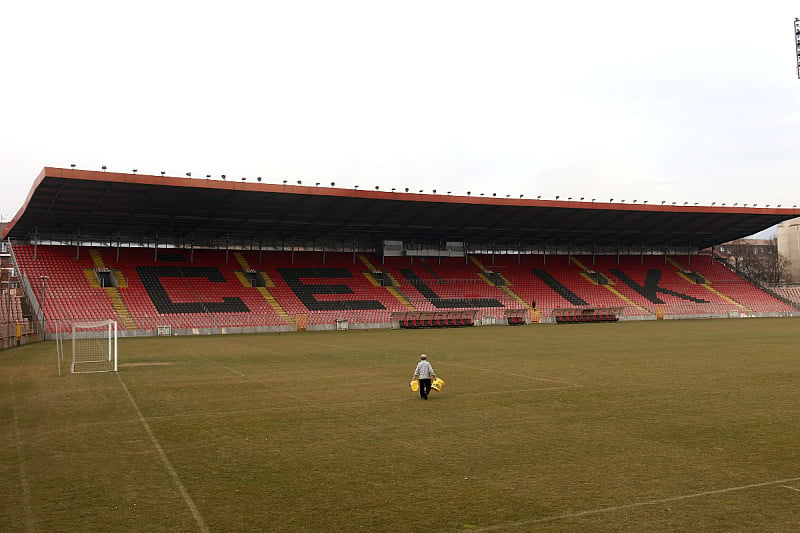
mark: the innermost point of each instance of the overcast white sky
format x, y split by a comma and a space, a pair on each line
688, 100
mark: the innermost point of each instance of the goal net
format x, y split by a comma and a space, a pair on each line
94, 346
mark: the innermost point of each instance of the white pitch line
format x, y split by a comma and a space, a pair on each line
167, 464
212, 362
523, 523
790, 488
510, 374
23, 476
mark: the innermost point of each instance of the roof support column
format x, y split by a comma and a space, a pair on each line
155, 250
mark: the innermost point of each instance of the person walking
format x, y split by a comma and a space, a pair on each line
425, 374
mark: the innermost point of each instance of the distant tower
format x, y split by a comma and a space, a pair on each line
797, 43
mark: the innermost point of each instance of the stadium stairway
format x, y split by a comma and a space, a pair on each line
506, 287
608, 287
119, 306
393, 289
706, 284
264, 291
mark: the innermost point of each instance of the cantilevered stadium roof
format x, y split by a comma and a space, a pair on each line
70, 204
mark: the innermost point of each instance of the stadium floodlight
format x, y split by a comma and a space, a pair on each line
135, 171
208, 176
162, 172
557, 197
315, 185
406, 189
223, 177
284, 182
244, 179
468, 192
103, 168
188, 174
299, 182
434, 191
539, 197
393, 189
333, 183
258, 179
72, 165
377, 187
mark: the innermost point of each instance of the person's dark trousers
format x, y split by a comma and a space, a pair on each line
424, 388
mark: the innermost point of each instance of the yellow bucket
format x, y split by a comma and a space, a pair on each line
437, 384
414, 385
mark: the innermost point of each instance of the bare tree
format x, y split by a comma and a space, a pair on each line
759, 261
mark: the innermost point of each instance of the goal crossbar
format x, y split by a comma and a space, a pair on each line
94, 346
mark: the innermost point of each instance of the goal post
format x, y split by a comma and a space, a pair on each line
94, 346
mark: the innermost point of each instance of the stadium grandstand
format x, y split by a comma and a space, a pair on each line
175, 255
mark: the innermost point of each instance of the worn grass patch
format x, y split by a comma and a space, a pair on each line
673, 425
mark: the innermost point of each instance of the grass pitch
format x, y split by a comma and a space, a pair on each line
641, 426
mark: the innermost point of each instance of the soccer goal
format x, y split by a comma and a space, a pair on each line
94, 347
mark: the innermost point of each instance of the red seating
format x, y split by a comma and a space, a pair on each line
202, 288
